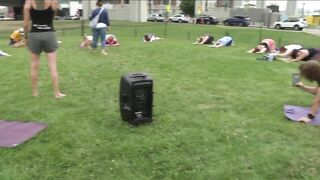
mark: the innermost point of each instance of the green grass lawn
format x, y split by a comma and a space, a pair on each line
217, 112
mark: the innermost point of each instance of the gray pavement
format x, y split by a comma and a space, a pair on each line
315, 31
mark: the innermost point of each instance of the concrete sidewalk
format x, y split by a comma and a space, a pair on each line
315, 31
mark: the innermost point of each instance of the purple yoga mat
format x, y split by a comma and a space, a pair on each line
13, 133
295, 112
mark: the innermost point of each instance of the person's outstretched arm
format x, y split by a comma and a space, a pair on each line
314, 107
309, 89
204, 40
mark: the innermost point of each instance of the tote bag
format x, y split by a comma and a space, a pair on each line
93, 23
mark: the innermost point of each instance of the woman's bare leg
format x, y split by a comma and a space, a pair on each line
34, 70
52, 63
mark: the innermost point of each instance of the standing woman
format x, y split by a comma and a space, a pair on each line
41, 38
101, 28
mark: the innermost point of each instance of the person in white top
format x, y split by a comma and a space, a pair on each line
286, 51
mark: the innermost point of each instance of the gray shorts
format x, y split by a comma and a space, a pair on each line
42, 41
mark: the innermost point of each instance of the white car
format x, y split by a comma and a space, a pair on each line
291, 23
3, 18
180, 18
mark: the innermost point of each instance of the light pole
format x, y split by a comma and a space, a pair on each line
302, 11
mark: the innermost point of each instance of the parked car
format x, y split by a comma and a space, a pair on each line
304, 20
290, 23
156, 17
205, 19
3, 18
237, 21
71, 17
180, 18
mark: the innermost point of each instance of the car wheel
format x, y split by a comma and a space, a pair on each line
180, 20
296, 28
208, 22
240, 24
278, 26
226, 23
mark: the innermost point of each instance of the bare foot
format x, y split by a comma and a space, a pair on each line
59, 96
104, 53
35, 94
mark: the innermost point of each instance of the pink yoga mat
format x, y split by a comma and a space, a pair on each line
13, 133
295, 112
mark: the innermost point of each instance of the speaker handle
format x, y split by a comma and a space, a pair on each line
138, 75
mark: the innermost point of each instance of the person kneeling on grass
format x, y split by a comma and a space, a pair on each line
111, 40
305, 55
150, 38
286, 51
222, 42
310, 71
266, 46
205, 39
16, 38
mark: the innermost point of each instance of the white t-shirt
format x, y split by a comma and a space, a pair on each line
293, 47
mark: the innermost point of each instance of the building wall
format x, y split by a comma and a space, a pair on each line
263, 17
215, 8
120, 10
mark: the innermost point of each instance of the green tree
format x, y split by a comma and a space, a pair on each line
187, 7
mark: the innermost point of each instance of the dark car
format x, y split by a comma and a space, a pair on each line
205, 19
237, 21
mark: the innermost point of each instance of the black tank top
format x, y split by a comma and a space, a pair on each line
42, 20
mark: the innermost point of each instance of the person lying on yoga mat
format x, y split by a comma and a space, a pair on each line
311, 71
305, 55
266, 46
205, 39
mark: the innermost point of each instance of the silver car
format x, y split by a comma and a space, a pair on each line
156, 18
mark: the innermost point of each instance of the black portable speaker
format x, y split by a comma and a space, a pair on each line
136, 98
